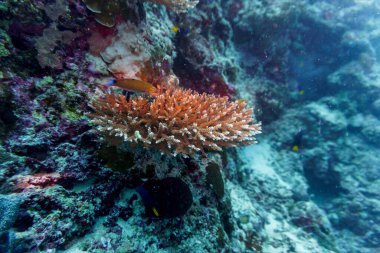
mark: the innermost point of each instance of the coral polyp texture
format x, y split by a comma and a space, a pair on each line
176, 121
178, 6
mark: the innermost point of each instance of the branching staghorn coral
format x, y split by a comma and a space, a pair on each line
175, 120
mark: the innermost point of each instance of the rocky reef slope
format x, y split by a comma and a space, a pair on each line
309, 68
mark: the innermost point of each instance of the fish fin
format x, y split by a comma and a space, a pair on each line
152, 90
111, 82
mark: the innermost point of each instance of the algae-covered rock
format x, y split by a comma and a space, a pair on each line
116, 158
5, 44
166, 198
215, 179
3, 6
8, 210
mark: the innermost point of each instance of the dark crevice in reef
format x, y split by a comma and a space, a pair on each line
323, 186
7, 116
23, 221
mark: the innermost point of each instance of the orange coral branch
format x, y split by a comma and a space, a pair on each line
176, 120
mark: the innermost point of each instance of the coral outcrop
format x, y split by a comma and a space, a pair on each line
176, 121
178, 6
309, 68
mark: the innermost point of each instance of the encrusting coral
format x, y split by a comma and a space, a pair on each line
178, 6
175, 120
106, 11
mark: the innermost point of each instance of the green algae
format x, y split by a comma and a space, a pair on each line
26, 10
5, 156
3, 6
38, 117
5, 43
72, 115
45, 82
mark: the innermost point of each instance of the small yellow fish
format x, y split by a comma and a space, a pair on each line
301, 92
296, 148
241, 101
175, 28
132, 85
155, 211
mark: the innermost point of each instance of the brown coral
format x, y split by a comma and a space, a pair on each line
104, 11
176, 120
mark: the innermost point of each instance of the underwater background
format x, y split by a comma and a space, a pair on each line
109, 143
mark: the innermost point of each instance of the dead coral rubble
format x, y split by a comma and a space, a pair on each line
176, 121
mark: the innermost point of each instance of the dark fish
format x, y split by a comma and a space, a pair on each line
166, 198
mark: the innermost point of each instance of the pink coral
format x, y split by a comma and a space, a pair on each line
41, 180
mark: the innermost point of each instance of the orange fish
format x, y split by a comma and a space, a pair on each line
241, 101
132, 85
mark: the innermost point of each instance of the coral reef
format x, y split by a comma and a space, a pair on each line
178, 6
309, 68
177, 121
106, 12
128, 52
206, 53
60, 35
